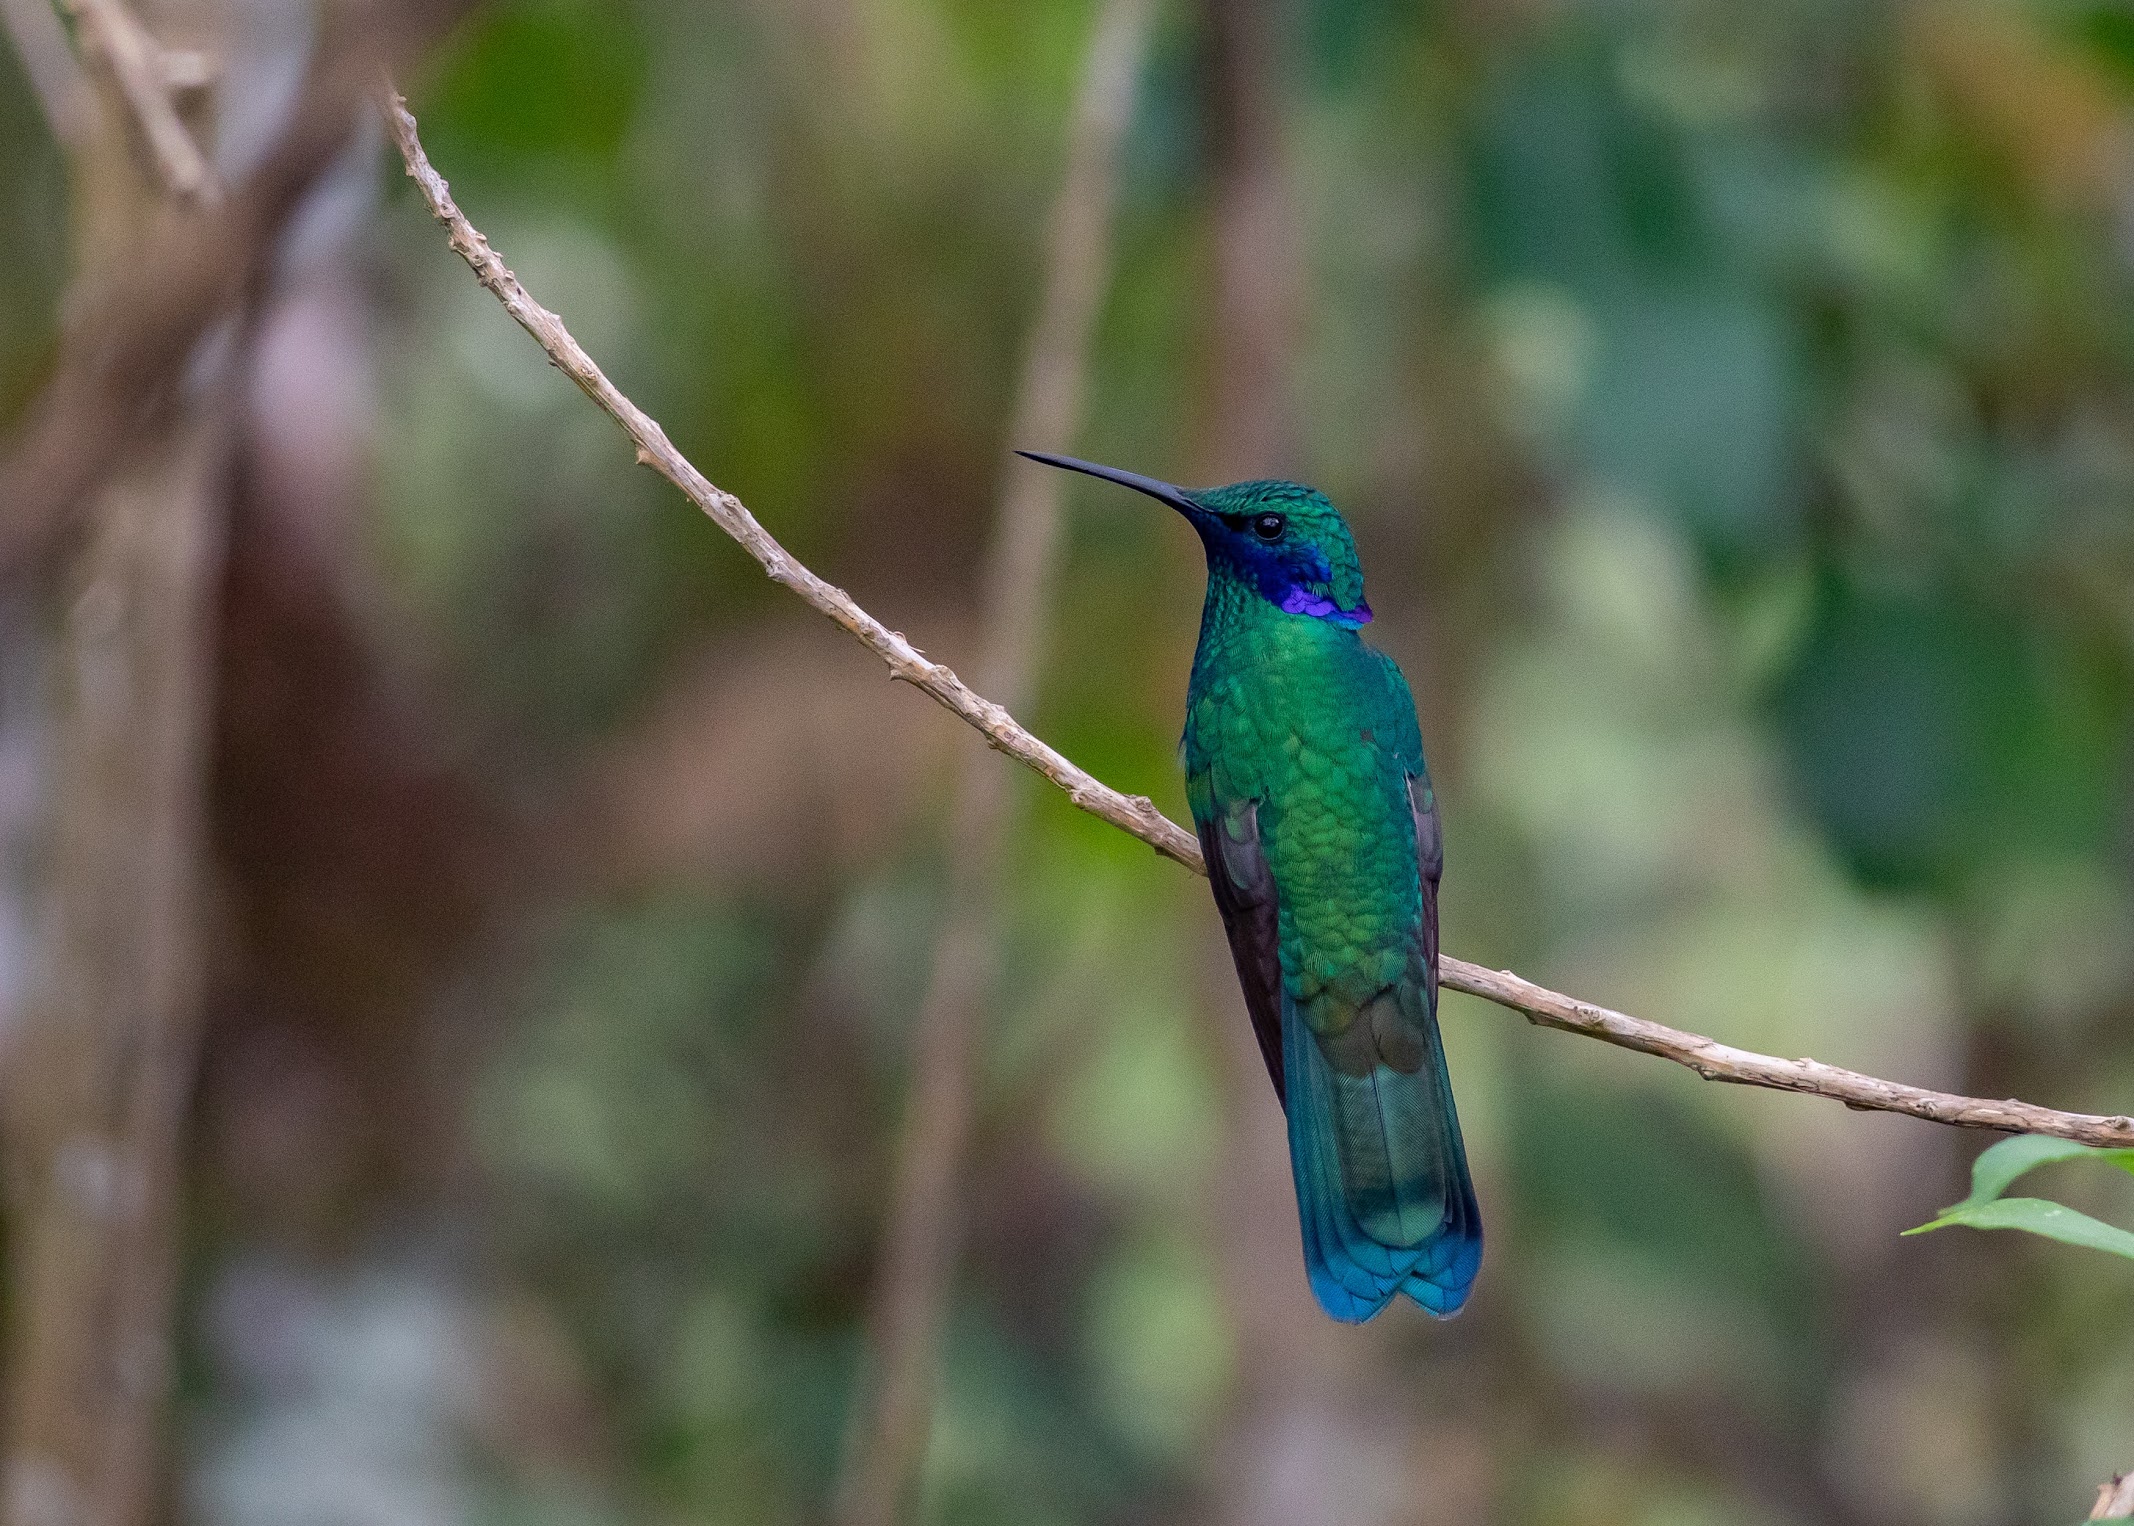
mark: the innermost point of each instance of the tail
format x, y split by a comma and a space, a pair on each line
1382, 1186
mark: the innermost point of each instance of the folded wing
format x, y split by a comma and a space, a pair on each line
1383, 1191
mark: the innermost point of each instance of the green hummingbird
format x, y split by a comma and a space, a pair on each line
1304, 770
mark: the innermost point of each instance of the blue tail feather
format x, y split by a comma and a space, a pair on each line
1383, 1193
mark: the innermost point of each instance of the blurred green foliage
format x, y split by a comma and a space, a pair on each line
33, 232
1736, 406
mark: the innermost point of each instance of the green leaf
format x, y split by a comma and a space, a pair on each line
2055, 1221
1996, 1169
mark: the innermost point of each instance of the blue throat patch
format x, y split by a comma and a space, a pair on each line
1305, 590
1301, 600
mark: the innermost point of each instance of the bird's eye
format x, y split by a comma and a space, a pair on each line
1269, 526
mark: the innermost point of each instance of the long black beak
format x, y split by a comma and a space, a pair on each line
1163, 492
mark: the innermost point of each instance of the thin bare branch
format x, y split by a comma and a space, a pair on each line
886, 1441
1136, 813
1132, 813
142, 70
1723, 1062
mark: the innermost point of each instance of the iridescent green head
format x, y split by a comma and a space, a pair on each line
1281, 538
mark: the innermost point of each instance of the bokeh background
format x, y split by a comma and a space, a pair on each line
1735, 404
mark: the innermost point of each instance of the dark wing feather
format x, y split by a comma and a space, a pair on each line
1430, 858
1245, 895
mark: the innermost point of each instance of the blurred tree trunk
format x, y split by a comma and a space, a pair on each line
891, 1420
101, 1068
1256, 268
1315, 1434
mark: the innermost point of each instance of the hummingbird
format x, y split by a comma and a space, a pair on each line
1304, 770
